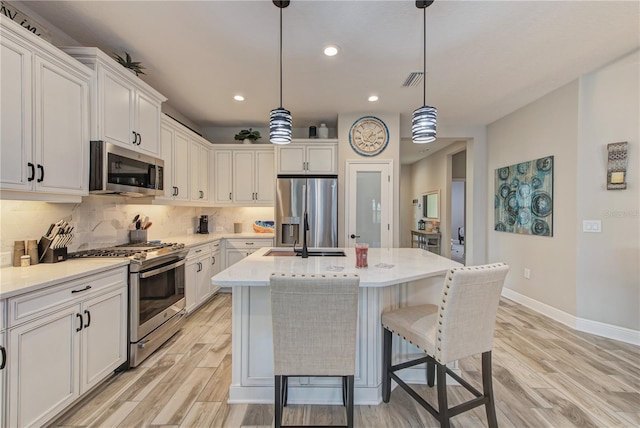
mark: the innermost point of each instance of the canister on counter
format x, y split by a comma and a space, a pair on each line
18, 251
32, 251
25, 261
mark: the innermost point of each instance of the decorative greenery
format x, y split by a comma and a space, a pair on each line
126, 62
248, 133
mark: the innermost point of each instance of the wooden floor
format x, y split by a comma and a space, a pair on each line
545, 375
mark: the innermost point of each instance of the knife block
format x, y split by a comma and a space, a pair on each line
50, 255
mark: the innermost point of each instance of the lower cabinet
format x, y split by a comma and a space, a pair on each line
198, 276
3, 376
216, 263
237, 249
62, 341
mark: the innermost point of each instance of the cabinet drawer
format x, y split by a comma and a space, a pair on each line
216, 246
249, 243
32, 305
198, 251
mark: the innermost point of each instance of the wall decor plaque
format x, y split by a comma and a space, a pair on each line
617, 166
523, 200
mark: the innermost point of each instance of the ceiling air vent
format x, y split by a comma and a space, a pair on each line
413, 79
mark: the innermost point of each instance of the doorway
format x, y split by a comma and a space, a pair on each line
368, 204
458, 206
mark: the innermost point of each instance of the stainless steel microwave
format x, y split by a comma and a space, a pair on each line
114, 170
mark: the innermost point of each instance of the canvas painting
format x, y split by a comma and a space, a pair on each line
524, 198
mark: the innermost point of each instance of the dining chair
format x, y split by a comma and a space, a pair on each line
314, 321
460, 325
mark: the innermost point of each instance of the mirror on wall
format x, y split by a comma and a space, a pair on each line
431, 205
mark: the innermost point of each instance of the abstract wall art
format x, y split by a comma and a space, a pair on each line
617, 166
523, 201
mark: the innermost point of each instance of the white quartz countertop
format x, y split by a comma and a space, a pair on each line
198, 239
19, 280
387, 266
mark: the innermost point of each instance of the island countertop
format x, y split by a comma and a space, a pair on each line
387, 266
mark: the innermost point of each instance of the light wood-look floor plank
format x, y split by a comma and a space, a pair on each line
545, 375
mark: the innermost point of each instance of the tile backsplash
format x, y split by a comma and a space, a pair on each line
101, 221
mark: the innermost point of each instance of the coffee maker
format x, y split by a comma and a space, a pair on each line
204, 224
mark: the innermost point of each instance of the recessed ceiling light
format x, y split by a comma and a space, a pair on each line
331, 50
238, 97
373, 98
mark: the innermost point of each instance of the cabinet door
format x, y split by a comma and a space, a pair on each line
234, 255
216, 268
147, 124
291, 160
166, 143
203, 283
15, 116
191, 278
104, 336
118, 113
43, 373
321, 159
265, 177
61, 129
181, 146
222, 168
243, 177
3, 377
199, 172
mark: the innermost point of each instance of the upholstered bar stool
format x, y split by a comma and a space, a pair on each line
460, 326
314, 320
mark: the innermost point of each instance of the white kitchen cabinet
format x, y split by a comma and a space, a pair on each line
3, 364
199, 189
175, 153
216, 263
45, 116
126, 111
223, 176
244, 176
318, 157
62, 341
237, 249
198, 277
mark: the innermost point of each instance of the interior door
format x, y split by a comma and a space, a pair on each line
369, 197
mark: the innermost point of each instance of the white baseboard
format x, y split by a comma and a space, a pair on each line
609, 331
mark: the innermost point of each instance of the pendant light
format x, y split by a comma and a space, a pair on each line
280, 118
423, 123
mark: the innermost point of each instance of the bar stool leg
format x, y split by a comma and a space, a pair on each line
431, 373
487, 384
285, 390
386, 365
350, 391
277, 411
443, 405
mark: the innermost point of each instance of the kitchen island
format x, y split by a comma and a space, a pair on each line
395, 277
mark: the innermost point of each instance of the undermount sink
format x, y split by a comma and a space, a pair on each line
312, 253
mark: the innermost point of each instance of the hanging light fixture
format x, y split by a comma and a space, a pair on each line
423, 123
280, 118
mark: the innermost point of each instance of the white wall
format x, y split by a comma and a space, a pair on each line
457, 207
546, 127
608, 275
406, 206
593, 278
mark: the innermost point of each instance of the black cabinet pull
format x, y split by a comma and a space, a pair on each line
139, 138
81, 322
4, 357
354, 236
213, 260
229, 195
177, 191
88, 314
32, 173
41, 169
88, 287
135, 138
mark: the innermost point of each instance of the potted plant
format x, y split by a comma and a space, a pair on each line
247, 136
126, 62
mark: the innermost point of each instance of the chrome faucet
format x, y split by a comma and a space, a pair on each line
305, 250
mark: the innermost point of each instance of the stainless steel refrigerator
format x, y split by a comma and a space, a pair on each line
316, 196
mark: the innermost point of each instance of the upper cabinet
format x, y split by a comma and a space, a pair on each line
186, 165
243, 176
318, 157
126, 111
44, 111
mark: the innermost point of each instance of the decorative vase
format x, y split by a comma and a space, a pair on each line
247, 141
323, 131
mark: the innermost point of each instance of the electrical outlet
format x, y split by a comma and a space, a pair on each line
592, 226
219, 229
527, 273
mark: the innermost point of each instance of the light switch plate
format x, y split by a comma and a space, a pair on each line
592, 226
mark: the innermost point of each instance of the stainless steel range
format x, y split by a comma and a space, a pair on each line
156, 292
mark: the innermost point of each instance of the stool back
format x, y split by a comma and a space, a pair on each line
314, 320
467, 311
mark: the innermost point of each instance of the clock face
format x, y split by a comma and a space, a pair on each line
368, 136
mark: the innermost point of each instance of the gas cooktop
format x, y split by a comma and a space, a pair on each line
138, 252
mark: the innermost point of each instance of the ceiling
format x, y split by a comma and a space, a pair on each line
485, 58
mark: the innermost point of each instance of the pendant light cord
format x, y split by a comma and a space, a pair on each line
424, 58
280, 57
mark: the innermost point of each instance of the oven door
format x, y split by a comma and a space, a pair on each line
157, 294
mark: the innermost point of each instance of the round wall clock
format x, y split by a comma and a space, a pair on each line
368, 136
